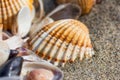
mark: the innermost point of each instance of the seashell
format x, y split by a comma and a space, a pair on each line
15, 42
62, 41
24, 23
86, 5
9, 10
4, 52
12, 67
29, 66
40, 74
7, 48
32, 63
36, 27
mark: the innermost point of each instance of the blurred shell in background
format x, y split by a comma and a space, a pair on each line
62, 41
86, 5
9, 10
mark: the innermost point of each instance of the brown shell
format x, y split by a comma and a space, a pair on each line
9, 10
62, 41
86, 5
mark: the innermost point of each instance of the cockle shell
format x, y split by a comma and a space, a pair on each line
62, 41
86, 5
9, 10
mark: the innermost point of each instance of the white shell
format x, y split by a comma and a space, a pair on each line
4, 52
24, 21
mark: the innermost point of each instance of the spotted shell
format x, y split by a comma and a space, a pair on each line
86, 5
62, 41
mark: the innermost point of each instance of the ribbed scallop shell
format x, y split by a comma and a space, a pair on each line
9, 10
62, 41
86, 5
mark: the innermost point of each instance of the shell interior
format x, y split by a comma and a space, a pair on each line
29, 66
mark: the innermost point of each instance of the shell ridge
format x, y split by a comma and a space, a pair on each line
50, 41
58, 42
16, 5
69, 50
75, 52
0, 13
38, 33
55, 44
64, 44
41, 29
44, 35
42, 47
13, 7
7, 12
39, 40
3, 14
35, 38
20, 3
83, 48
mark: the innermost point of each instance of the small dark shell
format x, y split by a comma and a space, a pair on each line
12, 67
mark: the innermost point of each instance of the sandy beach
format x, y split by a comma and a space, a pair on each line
104, 25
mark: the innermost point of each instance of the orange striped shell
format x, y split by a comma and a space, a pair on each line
86, 5
62, 41
9, 10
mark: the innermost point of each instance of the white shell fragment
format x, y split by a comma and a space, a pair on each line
24, 21
4, 52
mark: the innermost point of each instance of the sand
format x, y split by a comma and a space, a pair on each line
104, 25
